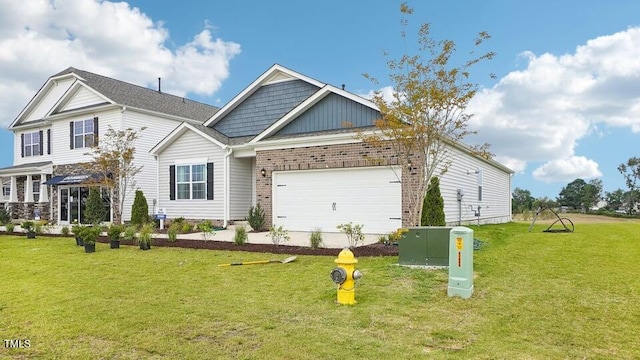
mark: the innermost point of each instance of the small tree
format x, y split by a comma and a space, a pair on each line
427, 111
139, 209
631, 173
95, 211
112, 159
433, 206
256, 217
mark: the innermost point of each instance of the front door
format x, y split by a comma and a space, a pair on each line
72, 204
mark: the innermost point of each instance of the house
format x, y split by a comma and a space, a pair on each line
65, 117
282, 143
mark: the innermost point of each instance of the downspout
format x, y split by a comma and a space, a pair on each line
227, 176
157, 184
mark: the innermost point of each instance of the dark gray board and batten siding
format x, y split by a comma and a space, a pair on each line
264, 107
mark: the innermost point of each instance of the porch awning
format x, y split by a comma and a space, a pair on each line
71, 179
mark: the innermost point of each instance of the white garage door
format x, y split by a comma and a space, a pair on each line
305, 200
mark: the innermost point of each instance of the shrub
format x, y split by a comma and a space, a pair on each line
433, 205
27, 226
37, 227
173, 231
256, 217
206, 227
185, 228
130, 233
278, 234
115, 232
353, 232
10, 226
315, 239
146, 234
65, 230
139, 209
95, 212
90, 234
395, 236
5, 217
382, 238
240, 237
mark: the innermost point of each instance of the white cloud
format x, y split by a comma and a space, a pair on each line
39, 38
568, 169
540, 113
386, 92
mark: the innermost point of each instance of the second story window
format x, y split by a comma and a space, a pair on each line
83, 133
32, 144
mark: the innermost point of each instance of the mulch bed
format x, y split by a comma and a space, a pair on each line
377, 249
367, 250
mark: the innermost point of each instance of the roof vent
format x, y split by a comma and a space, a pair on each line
159, 85
342, 86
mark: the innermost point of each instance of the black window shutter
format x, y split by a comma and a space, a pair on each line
71, 135
48, 141
172, 182
95, 131
22, 145
209, 181
41, 143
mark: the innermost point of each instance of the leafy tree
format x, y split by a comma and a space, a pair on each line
521, 200
139, 209
112, 159
591, 193
631, 173
615, 199
94, 212
571, 195
427, 111
433, 205
544, 202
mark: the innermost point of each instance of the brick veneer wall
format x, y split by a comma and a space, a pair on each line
326, 157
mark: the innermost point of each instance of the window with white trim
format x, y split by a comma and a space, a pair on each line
32, 144
191, 182
36, 191
83, 133
6, 189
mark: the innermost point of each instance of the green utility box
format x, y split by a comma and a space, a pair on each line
424, 245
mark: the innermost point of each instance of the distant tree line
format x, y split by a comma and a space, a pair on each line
585, 196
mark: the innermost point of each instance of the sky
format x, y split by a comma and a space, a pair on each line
564, 102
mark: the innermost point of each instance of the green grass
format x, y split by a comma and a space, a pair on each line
537, 295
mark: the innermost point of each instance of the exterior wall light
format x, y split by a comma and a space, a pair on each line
263, 172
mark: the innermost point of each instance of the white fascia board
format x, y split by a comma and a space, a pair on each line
176, 133
294, 113
353, 97
255, 85
72, 90
84, 111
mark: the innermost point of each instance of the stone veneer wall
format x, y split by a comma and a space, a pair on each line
326, 157
22, 210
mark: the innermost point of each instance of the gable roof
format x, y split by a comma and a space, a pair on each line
122, 93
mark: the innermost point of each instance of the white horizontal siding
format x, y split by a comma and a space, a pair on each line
192, 146
60, 149
240, 187
82, 98
156, 129
496, 198
58, 88
17, 143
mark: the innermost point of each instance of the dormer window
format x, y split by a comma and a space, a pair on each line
83, 133
32, 144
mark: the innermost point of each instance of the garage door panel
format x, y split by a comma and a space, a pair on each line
304, 200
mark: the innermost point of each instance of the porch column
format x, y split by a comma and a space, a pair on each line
28, 190
44, 189
13, 197
2, 198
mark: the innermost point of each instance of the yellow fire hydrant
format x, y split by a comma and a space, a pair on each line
345, 275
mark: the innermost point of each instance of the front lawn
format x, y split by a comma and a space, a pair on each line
537, 295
